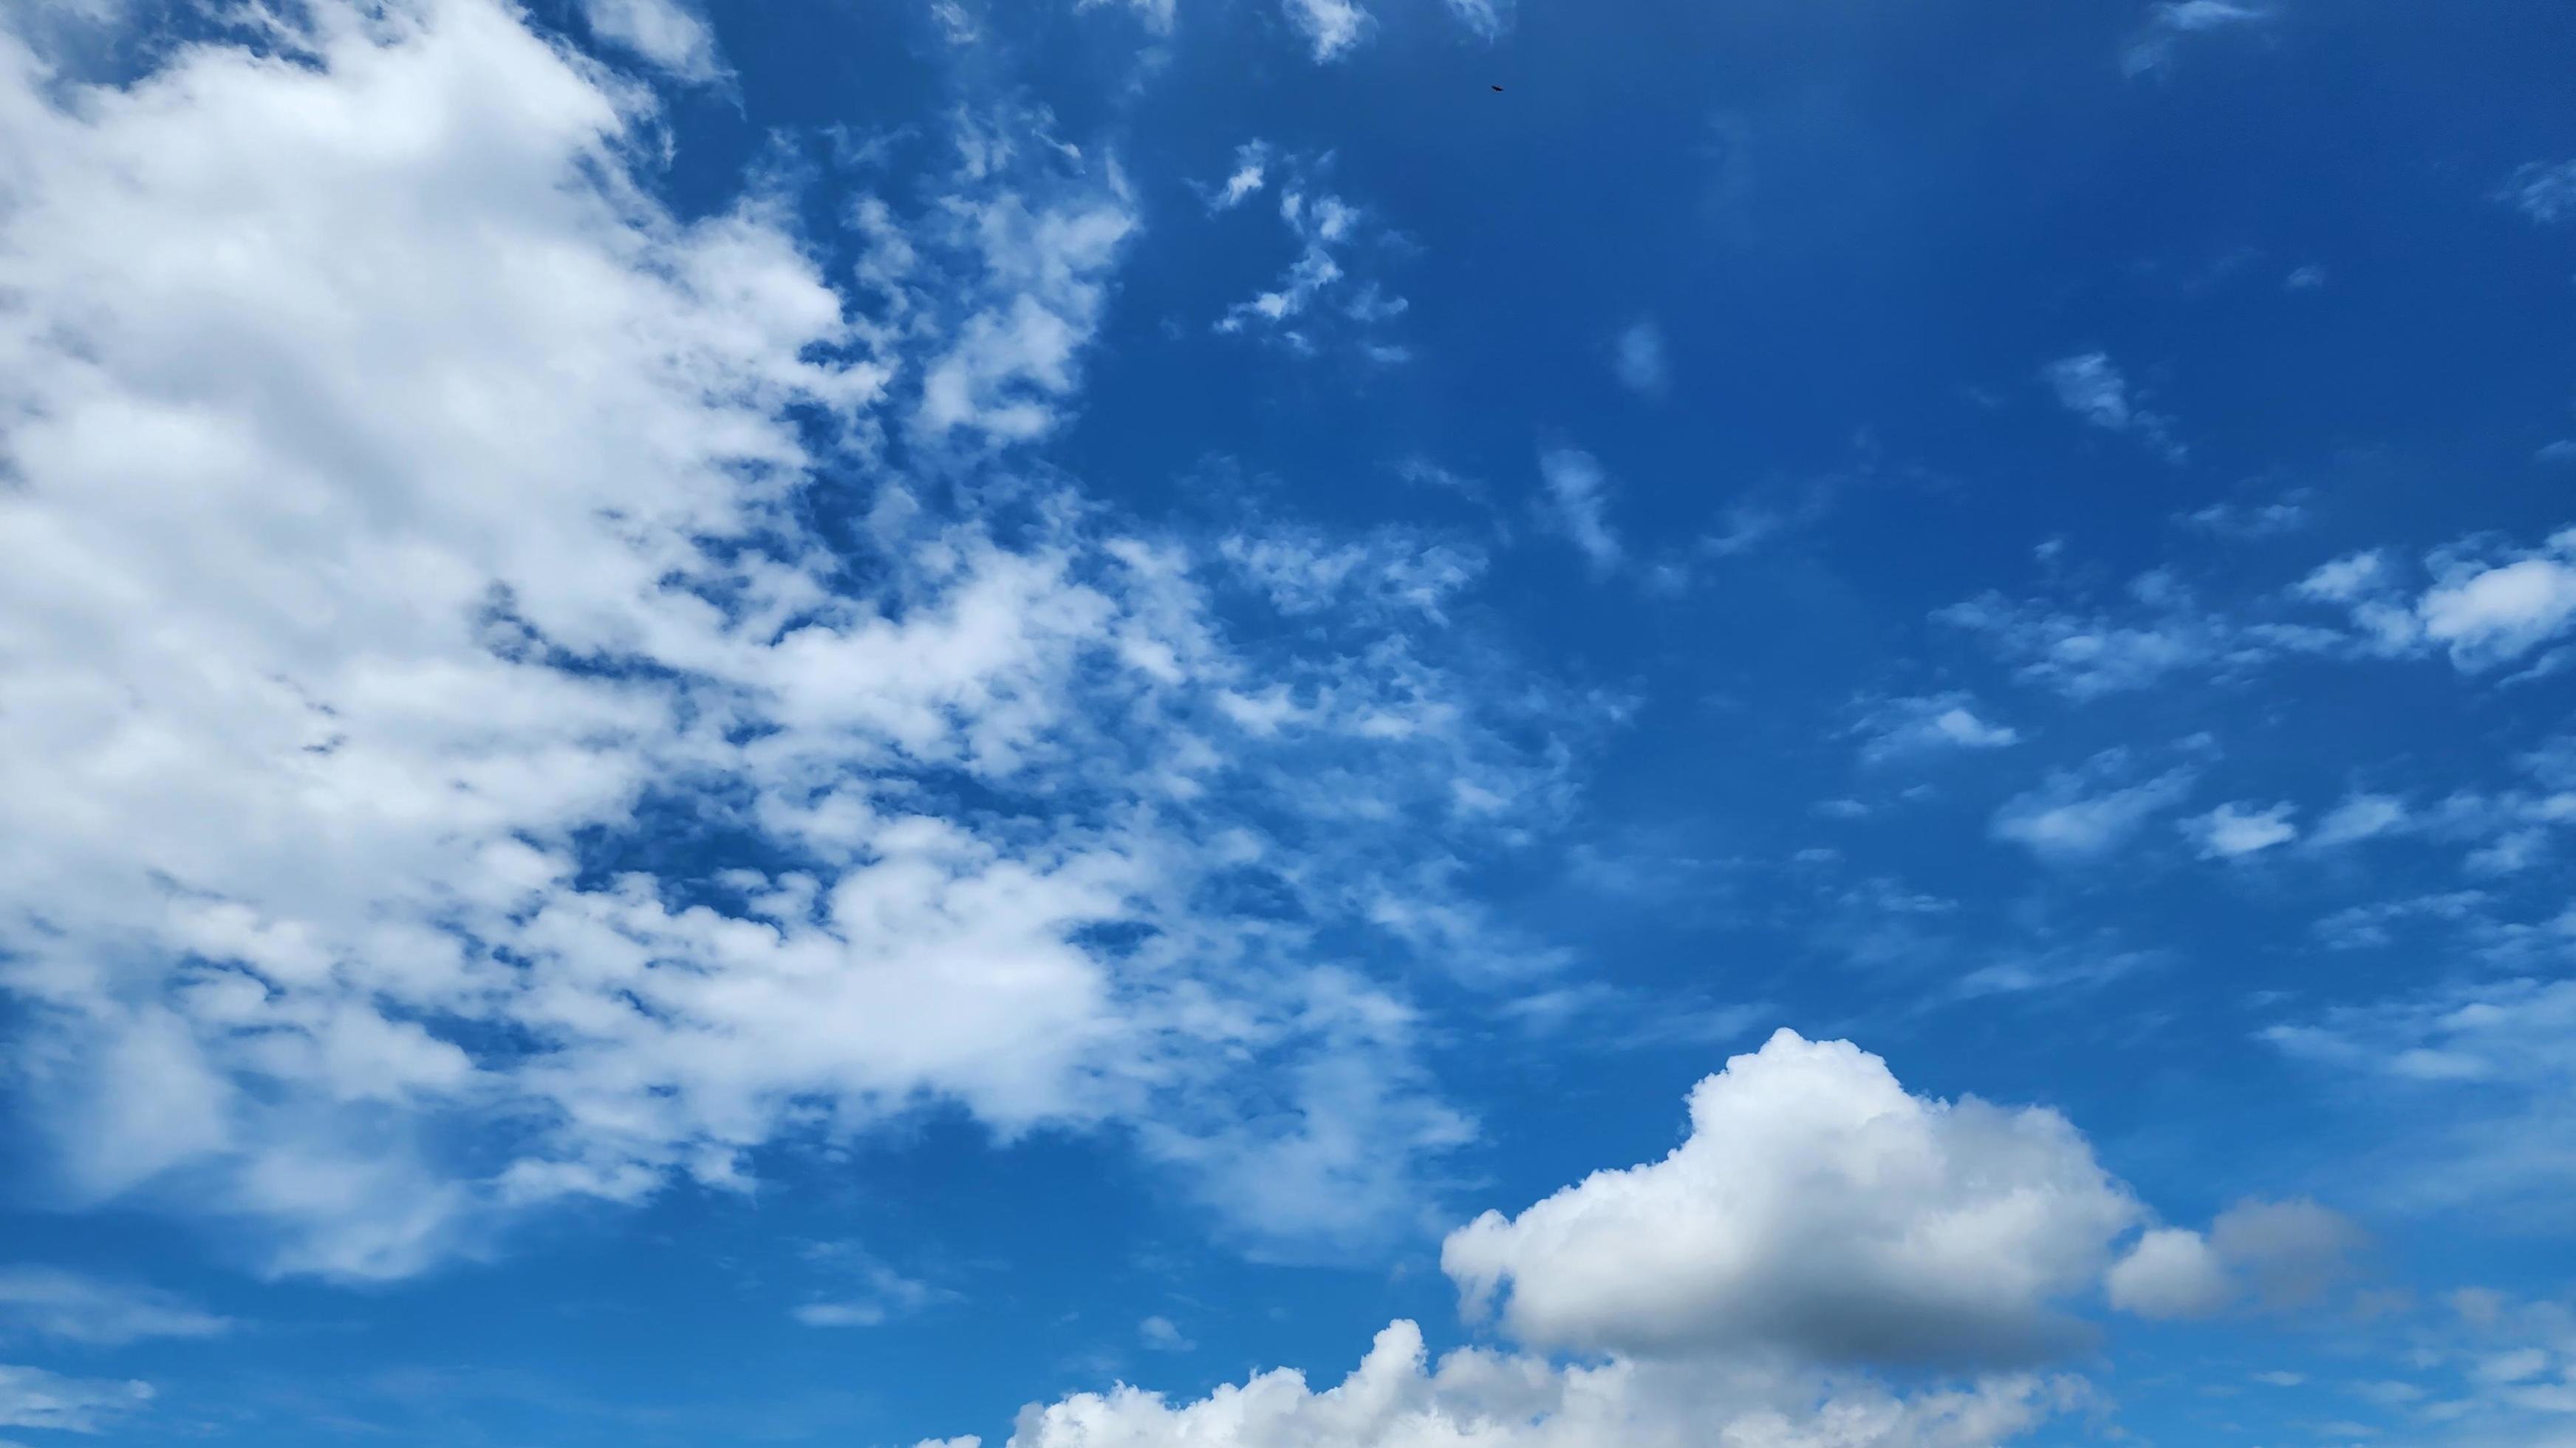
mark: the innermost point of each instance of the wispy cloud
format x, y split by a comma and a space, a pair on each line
1577, 503
46, 1302
1638, 359
2090, 386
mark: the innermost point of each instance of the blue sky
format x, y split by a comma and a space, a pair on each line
1151, 723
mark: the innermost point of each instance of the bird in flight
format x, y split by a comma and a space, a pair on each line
1498, 87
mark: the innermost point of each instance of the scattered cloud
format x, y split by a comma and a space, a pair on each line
320, 789
2090, 386
1318, 292
1331, 27
1931, 723
1638, 359
46, 1302
1251, 172
2082, 815
2275, 519
2277, 1256
875, 1294
1576, 504
2359, 817
34, 1398
2544, 191
665, 33
2168, 24
1158, 1334
2233, 831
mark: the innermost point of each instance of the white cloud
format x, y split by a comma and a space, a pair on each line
1638, 358
2087, 656
2545, 192
34, 1398
2275, 519
2233, 831
1488, 18
2487, 612
47, 1302
1160, 1335
1818, 1209
1250, 174
1331, 27
2171, 20
663, 32
2171, 1272
2284, 1254
1479, 1399
1577, 504
2090, 386
876, 1294
1157, 14
2073, 818
2360, 817
1930, 723
1316, 286
402, 501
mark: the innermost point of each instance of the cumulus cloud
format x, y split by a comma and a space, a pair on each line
663, 32
1929, 724
2280, 1254
2489, 610
2233, 831
406, 511
1577, 504
46, 1302
2079, 815
1397, 1398
1638, 359
1818, 1209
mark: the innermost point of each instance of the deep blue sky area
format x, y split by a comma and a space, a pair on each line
803, 722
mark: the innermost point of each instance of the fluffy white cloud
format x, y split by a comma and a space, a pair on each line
1930, 723
2281, 1253
406, 511
2078, 815
1817, 1219
2170, 1272
1478, 1399
2488, 611
2233, 831
46, 1302
1577, 502
1818, 1209
663, 32
2360, 817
